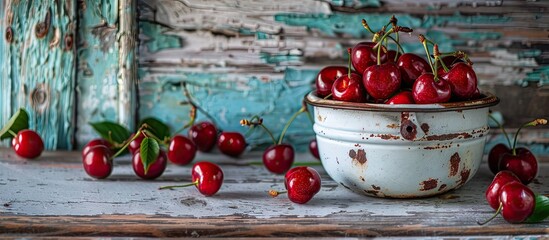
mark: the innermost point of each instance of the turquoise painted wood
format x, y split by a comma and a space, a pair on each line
37, 53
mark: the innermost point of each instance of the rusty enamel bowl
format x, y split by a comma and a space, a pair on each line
401, 151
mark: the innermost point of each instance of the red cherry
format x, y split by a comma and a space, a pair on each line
523, 164
155, 170
28, 144
494, 156
181, 150
97, 162
493, 191
404, 97
426, 90
391, 54
450, 60
231, 144
302, 184
476, 94
411, 67
96, 142
462, 80
518, 202
363, 56
208, 177
326, 78
381, 81
349, 88
279, 158
204, 136
135, 145
313, 148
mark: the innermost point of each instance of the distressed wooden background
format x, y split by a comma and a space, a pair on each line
241, 58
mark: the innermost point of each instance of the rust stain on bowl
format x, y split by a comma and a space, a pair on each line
408, 129
464, 175
428, 184
393, 126
388, 136
455, 159
442, 187
450, 136
425, 128
359, 155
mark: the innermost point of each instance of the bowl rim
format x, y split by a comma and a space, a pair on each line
487, 100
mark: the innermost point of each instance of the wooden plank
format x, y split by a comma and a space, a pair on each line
40, 197
38, 66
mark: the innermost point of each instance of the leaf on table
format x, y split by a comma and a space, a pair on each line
18, 122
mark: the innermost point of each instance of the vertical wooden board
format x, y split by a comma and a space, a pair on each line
38, 62
237, 54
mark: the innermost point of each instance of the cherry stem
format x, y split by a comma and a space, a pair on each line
500, 126
424, 42
436, 54
12, 133
191, 101
275, 193
127, 143
494, 216
151, 135
367, 27
192, 115
301, 110
179, 186
259, 122
528, 124
329, 96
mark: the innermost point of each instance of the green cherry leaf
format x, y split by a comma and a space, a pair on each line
158, 128
18, 122
541, 209
149, 152
112, 132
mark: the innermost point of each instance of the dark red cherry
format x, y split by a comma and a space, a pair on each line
403, 97
462, 80
523, 164
349, 88
28, 144
135, 145
231, 144
476, 94
363, 56
518, 202
181, 150
208, 177
302, 184
156, 168
279, 158
426, 90
381, 81
411, 67
493, 191
326, 78
96, 142
204, 136
97, 162
494, 156
313, 148
450, 60
392, 54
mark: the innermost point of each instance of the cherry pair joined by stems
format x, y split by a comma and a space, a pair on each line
301, 184
207, 177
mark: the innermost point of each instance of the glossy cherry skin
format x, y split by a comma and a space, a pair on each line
494, 156
204, 136
462, 80
279, 158
326, 78
302, 184
363, 56
411, 67
426, 90
231, 144
523, 164
208, 176
348, 88
404, 97
381, 81
181, 150
135, 145
97, 162
493, 190
518, 202
96, 142
391, 54
313, 149
28, 144
155, 170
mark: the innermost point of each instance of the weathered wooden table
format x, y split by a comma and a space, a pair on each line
53, 196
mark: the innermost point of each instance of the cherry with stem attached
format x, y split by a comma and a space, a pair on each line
349, 87
428, 88
301, 183
207, 177
27, 143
